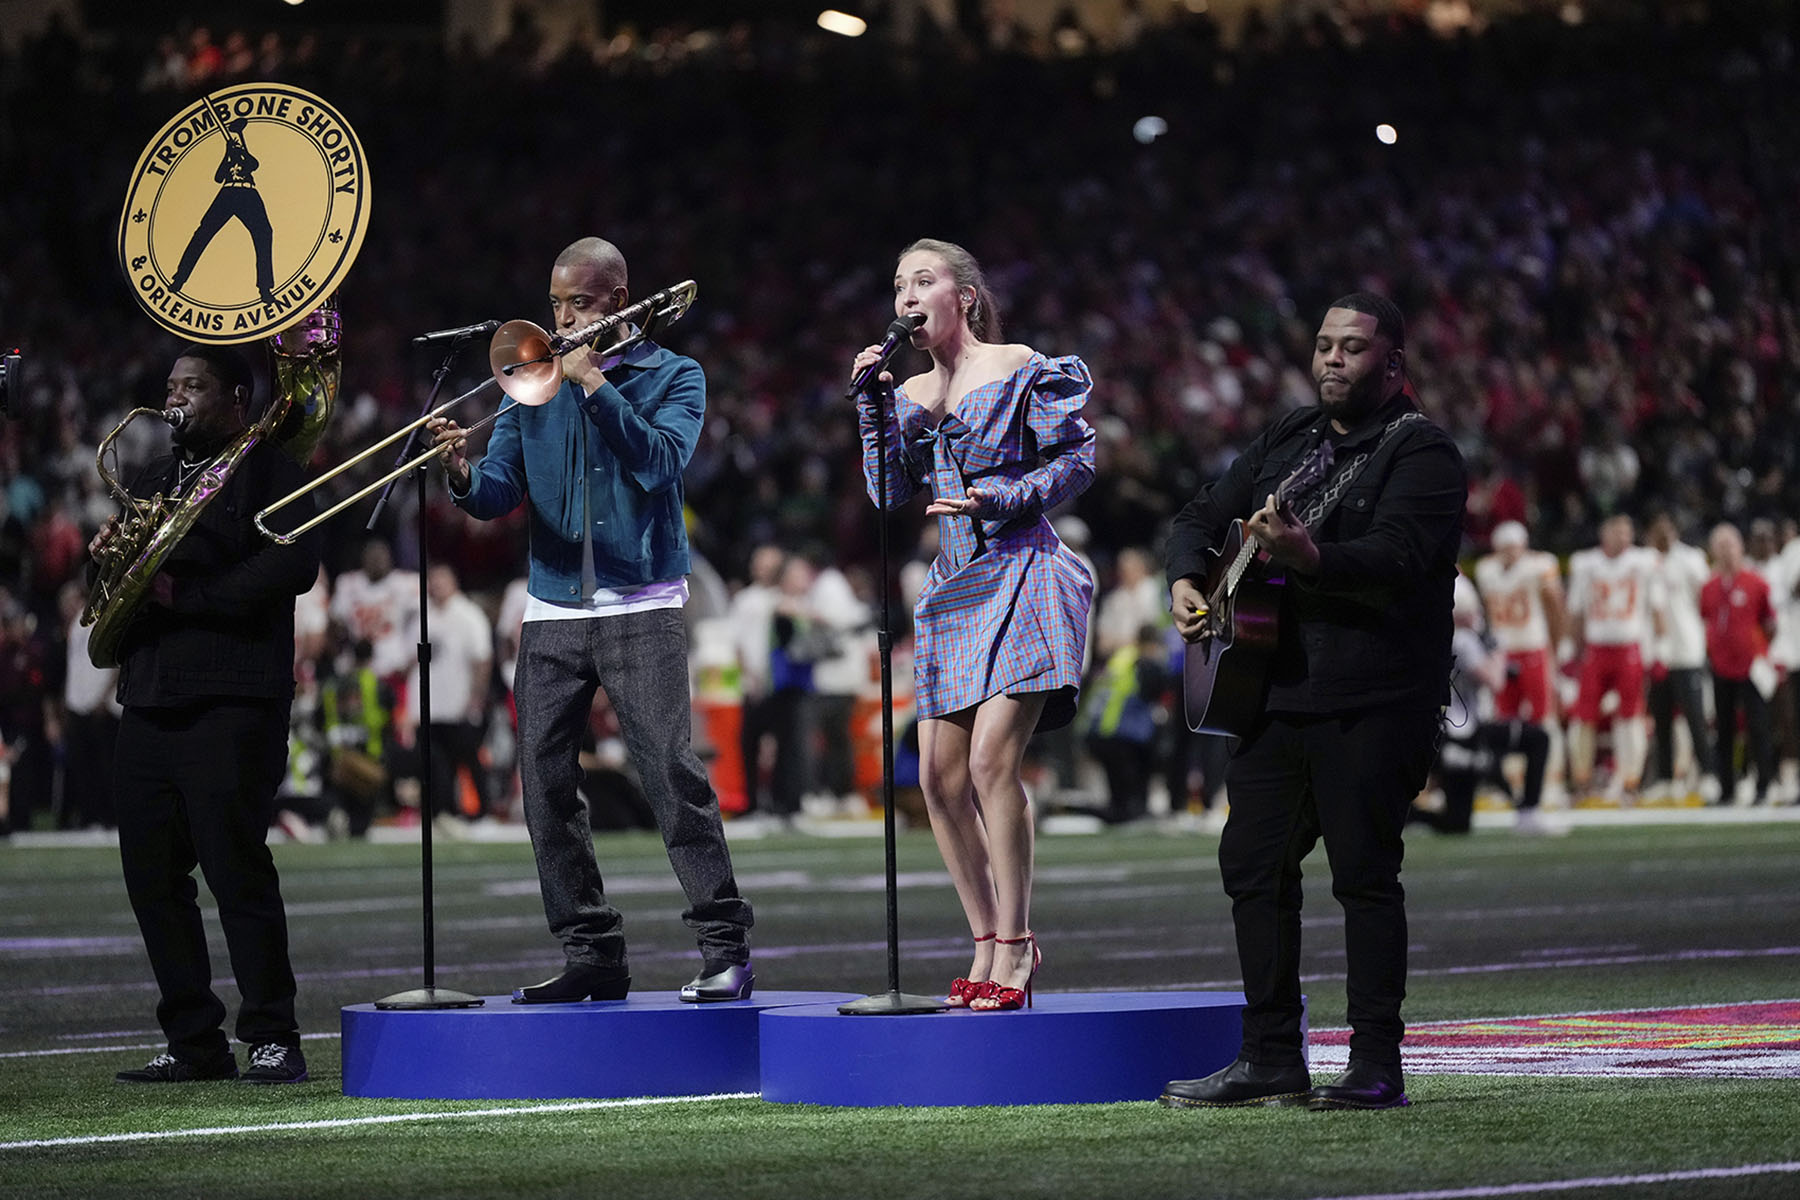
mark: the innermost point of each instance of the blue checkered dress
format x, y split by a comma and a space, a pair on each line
1005, 605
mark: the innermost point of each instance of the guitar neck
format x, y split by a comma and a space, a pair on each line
1228, 583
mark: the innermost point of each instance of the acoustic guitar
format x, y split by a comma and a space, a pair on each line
1224, 674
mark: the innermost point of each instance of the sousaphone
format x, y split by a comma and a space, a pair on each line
242, 217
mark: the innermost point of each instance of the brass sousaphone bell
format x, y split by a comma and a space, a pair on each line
526, 363
213, 258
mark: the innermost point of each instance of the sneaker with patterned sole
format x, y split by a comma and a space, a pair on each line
271, 1062
166, 1068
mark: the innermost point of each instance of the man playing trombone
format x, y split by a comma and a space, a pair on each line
600, 464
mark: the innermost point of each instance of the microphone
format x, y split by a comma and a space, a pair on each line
481, 329
900, 331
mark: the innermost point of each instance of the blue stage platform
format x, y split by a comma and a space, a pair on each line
648, 1045
1072, 1048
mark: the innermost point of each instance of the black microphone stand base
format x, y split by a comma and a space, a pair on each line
892, 1004
430, 997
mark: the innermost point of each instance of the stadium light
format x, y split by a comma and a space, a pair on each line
1386, 134
295, 3
1148, 129
833, 21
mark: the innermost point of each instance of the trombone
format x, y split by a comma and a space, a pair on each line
525, 362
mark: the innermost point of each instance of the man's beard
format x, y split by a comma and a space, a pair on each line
1362, 398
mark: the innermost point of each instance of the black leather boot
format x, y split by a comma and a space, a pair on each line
1241, 1085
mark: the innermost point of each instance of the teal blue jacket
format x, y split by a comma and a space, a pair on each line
610, 463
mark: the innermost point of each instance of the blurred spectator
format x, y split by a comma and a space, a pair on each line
1475, 740
379, 604
1784, 586
839, 677
1739, 619
752, 630
1123, 706
462, 657
1137, 598
25, 703
798, 640
356, 711
1678, 660
90, 722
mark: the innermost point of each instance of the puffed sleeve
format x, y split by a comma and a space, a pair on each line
1065, 441
908, 447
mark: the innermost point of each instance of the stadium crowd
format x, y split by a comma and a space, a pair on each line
1591, 227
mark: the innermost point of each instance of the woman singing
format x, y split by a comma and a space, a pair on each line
995, 431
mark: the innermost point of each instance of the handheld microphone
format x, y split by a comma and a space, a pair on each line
482, 329
900, 331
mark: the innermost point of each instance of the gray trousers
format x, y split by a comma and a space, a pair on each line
641, 661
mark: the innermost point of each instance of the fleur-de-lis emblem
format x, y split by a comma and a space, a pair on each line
140, 216
336, 236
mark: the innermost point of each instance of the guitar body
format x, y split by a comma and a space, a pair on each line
1225, 678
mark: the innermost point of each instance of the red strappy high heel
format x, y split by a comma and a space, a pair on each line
962, 990
994, 997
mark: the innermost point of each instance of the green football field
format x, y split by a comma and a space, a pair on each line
1605, 919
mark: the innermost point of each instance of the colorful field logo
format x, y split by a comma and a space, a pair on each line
1743, 1041
244, 212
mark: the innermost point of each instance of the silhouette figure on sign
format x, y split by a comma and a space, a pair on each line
238, 198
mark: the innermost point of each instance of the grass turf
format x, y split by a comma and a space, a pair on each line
1605, 918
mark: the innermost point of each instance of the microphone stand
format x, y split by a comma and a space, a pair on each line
893, 1002
430, 995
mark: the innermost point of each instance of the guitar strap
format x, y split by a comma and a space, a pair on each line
1323, 501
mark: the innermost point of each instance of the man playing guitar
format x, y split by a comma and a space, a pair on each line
1357, 676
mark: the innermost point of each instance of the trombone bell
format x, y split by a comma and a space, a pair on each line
519, 356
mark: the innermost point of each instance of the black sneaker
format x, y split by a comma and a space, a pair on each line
166, 1068
271, 1062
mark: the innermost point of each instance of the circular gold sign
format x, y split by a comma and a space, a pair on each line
244, 213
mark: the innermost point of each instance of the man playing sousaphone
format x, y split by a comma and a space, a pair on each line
206, 680
187, 595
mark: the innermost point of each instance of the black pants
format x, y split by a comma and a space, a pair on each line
641, 660
1680, 688
1729, 696
1465, 762
196, 786
456, 744
1209, 752
88, 740
1350, 779
1128, 765
780, 715
835, 772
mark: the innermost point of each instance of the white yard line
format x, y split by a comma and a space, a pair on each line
1570, 1185
161, 1135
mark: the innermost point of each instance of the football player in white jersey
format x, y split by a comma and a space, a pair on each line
1616, 604
1521, 590
380, 605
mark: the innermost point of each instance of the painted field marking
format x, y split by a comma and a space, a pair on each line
98, 1139
1740, 1040
1570, 1185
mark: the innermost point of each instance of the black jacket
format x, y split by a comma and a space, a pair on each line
230, 632
1373, 626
